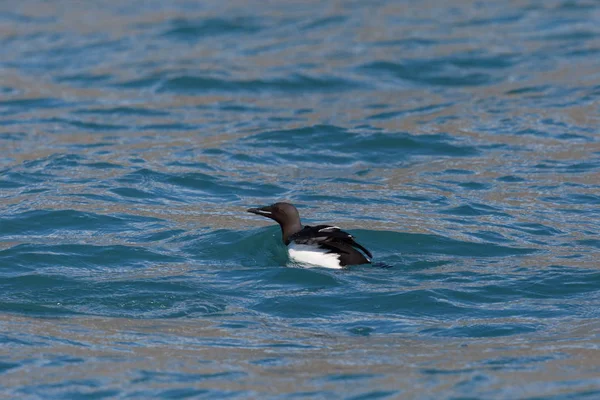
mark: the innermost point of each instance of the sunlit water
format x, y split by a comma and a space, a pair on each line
457, 141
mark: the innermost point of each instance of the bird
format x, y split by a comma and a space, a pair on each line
321, 245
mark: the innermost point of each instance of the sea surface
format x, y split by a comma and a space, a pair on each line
459, 141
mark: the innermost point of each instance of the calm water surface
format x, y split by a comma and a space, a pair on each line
458, 141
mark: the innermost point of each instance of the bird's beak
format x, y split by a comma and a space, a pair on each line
264, 211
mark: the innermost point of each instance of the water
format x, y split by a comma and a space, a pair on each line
459, 143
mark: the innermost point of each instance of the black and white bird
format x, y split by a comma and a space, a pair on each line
322, 245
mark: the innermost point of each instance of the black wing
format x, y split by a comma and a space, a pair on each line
330, 237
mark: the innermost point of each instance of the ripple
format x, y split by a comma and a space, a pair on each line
75, 255
137, 111
339, 146
191, 30
474, 210
16, 106
449, 71
42, 222
161, 185
200, 84
410, 243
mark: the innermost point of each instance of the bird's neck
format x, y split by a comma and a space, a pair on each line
289, 230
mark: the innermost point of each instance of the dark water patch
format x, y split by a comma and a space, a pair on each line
84, 79
167, 234
148, 81
17, 106
528, 90
474, 209
34, 308
574, 35
8, 90
483, 331
377, 394
361, 330
60, 124
502, 19
148, 376
250, 248
310, 305
590, 199
349, 377
87, 52
590, 242
413, 111
199, 84
448, 71
574, 167
23, 17
490, 236
7, 366
102, 165
38, 169
324, 22
458, 172
15, 136
168, 127
182, 393
294, 83
408, 43
574, 137
435, 371
78, 255
72, 389
38, 282
46, 222
21, 341
535, 229
6, 184
470, 185
510, 179
35, 191
233, 107
585, 52
516, 363
119, 298
422, 244
88, 125
192, 165
151, 299
562, 282
192, 30
434, 199
90, 145
123, 111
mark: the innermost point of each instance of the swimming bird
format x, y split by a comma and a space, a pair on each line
321, 245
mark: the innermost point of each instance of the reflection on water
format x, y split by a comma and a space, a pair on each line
459, 142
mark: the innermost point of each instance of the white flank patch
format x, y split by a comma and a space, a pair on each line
314, 256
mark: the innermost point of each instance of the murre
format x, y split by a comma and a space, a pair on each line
321, 245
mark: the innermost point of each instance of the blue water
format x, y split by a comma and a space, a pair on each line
458, 141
